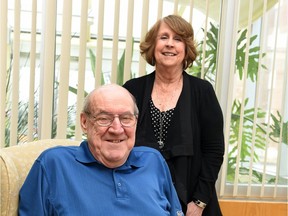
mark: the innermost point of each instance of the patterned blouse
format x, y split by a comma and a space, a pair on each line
160, 122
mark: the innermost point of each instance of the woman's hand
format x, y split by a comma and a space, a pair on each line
193, 210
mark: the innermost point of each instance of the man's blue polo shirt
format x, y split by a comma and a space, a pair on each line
69, 181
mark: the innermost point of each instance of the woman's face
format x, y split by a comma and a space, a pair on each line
170, 48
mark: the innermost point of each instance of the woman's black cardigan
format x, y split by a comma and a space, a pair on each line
194, 145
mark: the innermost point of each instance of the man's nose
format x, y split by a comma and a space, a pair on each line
116, 125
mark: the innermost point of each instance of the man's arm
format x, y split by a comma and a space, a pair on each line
33, 193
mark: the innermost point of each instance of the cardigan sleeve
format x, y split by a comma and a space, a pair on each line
211, 143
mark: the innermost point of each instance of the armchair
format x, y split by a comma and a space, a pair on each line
15, 163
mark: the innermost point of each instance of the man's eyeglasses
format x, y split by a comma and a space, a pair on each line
106, 119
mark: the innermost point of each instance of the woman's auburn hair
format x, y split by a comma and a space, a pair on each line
182, 28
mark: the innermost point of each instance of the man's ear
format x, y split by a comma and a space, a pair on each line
83, 122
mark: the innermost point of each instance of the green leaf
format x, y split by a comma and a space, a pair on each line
92, 61
120, 69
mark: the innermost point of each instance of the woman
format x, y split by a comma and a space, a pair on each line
180, 115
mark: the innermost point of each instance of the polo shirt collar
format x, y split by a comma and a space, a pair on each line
83, 155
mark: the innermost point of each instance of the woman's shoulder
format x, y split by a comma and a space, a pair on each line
196, 82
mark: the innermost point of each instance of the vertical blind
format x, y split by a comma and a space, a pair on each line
66, 48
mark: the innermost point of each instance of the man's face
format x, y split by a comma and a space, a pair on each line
111, 144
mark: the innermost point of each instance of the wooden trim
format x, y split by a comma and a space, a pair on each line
253, 208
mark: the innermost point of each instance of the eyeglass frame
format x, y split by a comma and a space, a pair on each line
112, 119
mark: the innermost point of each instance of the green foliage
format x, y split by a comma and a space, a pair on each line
22, 120
211, 56
21, 123
93, 66
246, 153
120, 69
253, 58
276, 129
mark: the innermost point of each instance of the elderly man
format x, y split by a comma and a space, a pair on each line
106, 174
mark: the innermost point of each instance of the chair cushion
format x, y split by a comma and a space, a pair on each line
15, 163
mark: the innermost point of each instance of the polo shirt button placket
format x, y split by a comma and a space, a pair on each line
121, 190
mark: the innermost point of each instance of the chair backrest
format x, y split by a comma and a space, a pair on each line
15, 163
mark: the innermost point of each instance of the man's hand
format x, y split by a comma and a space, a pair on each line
193, 210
